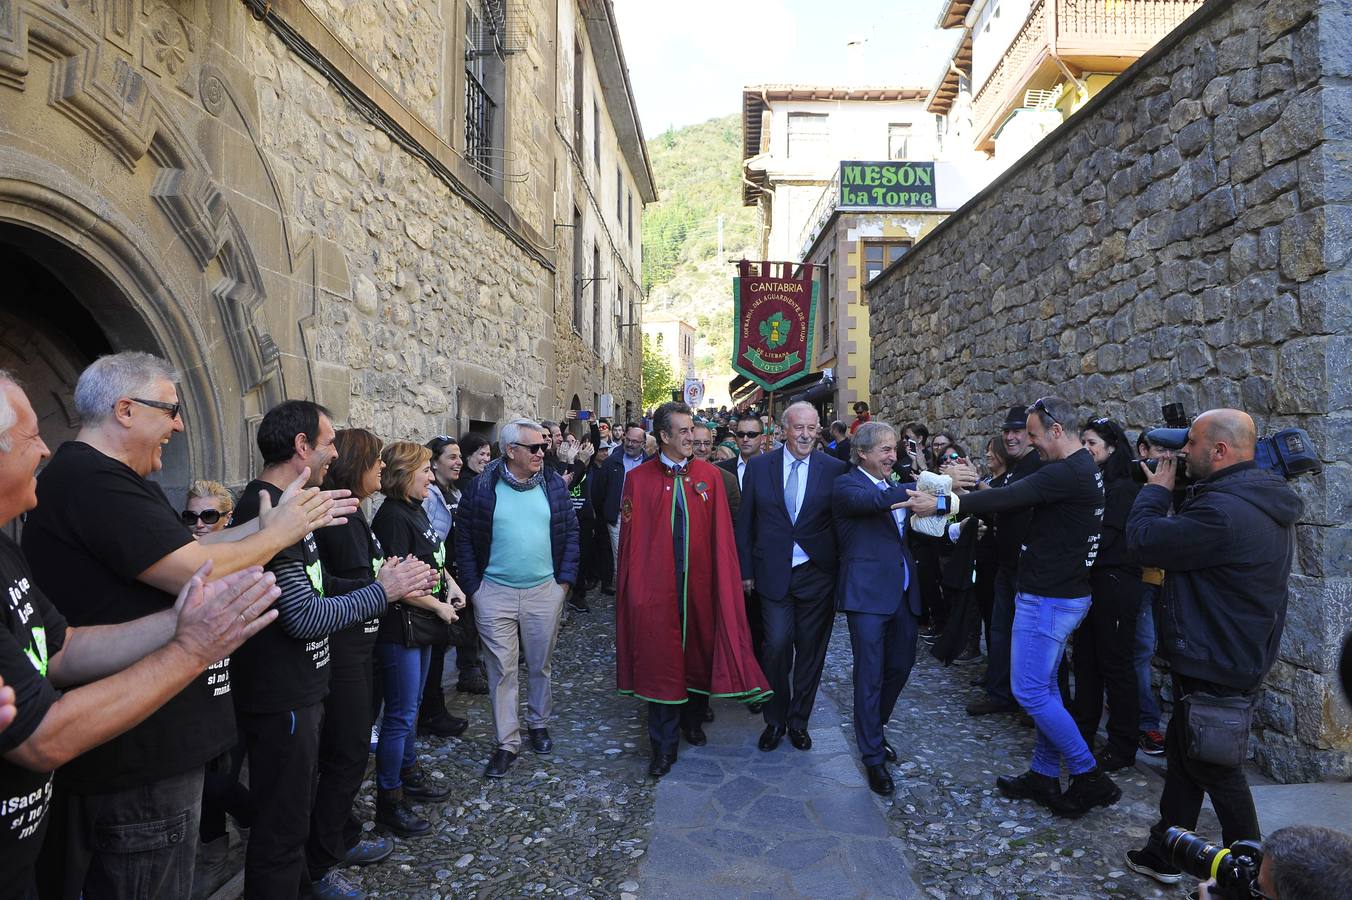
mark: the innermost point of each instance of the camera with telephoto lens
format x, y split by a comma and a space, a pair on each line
1289, 453
1233, 868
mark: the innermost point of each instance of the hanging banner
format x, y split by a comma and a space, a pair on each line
694, 393
774, 311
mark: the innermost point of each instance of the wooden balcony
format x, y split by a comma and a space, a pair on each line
1073, 37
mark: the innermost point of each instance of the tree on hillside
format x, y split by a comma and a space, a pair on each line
658, 378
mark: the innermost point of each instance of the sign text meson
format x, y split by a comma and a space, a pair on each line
889, 183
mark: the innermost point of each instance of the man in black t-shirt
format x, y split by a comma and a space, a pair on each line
123, 672
106, 547
1066, 496
280, 678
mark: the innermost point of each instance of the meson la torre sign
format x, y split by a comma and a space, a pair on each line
888, 184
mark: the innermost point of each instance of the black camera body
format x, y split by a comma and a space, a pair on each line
1234, 869
1290, 453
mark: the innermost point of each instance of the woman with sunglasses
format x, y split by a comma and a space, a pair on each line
1104, 642
207, 508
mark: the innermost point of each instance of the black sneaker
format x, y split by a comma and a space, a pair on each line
1147, 863
1030, 786
989, 706
1086, 791
472, 681
578, 604
1110, 760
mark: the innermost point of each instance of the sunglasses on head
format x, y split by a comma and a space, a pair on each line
532, 449
208, 517
1041, 404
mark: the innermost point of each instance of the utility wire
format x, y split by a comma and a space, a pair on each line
371, 111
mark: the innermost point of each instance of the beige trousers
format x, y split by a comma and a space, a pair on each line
510, 620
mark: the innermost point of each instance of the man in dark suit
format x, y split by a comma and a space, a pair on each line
877, 590
748, 430
608, 488
786, 540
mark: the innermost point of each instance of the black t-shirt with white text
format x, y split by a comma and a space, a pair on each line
1011, 527
272, 671
351, 552
1062, 542
403, 530
97, 526
33, 633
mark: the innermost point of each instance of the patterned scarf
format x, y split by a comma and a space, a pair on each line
530, 484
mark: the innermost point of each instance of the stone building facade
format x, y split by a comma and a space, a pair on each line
355, 203
1185, 237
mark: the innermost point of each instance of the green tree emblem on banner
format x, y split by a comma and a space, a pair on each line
775, 330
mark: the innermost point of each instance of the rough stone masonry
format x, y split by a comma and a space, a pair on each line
1185, 237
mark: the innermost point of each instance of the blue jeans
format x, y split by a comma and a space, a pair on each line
402, 673
1145, 649
1042, 625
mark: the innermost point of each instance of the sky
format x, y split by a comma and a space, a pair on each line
688, 61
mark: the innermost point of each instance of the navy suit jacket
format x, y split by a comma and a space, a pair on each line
872, 551
608, 487
765, 535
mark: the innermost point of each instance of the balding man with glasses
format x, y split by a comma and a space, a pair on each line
1053, 596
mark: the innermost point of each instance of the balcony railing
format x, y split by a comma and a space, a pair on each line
1086, 33
479, 110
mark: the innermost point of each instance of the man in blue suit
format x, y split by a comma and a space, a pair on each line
877, 590
786, 541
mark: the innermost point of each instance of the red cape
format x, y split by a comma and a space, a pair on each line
653, 659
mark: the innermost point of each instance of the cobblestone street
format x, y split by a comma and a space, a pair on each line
581, 822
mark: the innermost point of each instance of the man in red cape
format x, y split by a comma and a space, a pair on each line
681, 634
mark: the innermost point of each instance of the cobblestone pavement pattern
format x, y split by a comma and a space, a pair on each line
733, 822
966, 839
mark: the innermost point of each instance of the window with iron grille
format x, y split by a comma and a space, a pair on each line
579, 260
596, 297
485, 72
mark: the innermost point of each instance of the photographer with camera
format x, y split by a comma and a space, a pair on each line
1299, 862
1227, 556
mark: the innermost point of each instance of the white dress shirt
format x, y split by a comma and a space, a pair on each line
898, 516
799, 555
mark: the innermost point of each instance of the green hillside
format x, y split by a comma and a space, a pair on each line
698, 170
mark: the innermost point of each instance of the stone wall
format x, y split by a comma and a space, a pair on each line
402, 42
1185, 237
434, 292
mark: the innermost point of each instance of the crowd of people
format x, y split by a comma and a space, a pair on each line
304, 625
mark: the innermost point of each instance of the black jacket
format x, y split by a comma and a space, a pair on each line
1227, 558
608, 487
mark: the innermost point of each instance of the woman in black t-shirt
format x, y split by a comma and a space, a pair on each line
403, 643
352, 556
1102, 655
